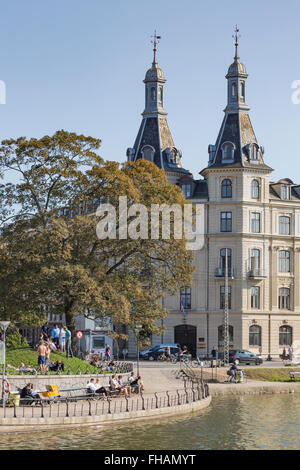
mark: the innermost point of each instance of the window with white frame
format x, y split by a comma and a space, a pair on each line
255, 335
255, 297
284, 261
285, 192
228, 151
254, 189
284, 225
255, 222
226, 222
284, 298
226, 188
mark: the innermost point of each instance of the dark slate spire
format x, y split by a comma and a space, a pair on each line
154, 141
236, 144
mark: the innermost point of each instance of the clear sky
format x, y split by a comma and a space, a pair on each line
79, 65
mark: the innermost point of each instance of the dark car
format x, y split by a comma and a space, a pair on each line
242, 356
152, 353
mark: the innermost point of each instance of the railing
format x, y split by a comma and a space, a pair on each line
220, 272
83, 406
256, 273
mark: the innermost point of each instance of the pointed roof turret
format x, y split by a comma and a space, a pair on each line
236, 144
154, 141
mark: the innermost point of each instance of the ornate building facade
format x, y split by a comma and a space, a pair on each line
255, 219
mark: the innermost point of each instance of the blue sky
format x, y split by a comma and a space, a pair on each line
79, 65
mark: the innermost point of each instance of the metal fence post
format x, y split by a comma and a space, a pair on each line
67, 408
126, 398
143, 401
90, 407
156, 399
178, 395
167, 393
42, 410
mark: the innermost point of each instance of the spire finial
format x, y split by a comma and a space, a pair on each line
236, 36
155, 43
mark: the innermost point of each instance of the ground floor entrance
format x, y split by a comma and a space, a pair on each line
186, 335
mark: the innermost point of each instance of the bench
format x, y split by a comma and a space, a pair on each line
294, 375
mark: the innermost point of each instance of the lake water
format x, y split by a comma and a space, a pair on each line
248, 422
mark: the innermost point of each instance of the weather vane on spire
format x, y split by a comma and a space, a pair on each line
236, 36
155, 43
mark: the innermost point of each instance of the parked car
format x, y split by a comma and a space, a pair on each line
242, 356
152, 353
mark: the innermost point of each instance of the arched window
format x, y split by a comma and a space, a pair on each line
233, 89
228, 151
221, 336
148, 152
223, 261
254, 152
254, 189
153, 94
285, 335
226, 188
255, 335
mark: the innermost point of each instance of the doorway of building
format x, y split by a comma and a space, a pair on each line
186, 335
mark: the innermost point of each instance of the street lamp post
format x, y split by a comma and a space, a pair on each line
3, 325
137, 333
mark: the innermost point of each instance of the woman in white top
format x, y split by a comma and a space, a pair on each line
62, 339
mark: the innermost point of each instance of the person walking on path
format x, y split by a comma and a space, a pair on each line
214, 353
41, 351
107, 352
69, 352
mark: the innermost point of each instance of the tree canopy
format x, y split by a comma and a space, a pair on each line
50, 254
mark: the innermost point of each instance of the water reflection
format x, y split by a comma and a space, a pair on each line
250, 422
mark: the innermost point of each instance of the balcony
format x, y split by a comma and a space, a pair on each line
220, 273
256, 273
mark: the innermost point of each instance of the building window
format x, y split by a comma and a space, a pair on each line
243, 90
226, 188
223, 261
254, 152
284, 261
228, 152
226, 222
255, 297
148, 152
285, 335
284, 225
221, 336
185, 295
255, 259
255, 189
255, 222
284, 298
285, 192
222, 297
255, 335
233, 89
153, 94
186, 189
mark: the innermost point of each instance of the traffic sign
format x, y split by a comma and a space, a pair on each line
79, 334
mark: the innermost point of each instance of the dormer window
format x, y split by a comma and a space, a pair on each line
285, 192
228, 152
186, 189
254, 152
148, 152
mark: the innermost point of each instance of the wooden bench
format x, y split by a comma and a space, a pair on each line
294, 375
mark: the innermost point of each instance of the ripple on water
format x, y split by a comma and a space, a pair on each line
248, 422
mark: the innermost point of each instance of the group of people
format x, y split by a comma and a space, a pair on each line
43, 352
60, 338
116, 384
288, 356
235, 374
28, 394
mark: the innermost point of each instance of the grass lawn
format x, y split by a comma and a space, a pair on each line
15, 356
281, 374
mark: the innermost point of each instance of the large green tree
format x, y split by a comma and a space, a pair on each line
50, 254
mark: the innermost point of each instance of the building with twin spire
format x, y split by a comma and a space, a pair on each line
256, 221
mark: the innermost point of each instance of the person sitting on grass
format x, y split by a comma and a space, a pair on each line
56, 366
